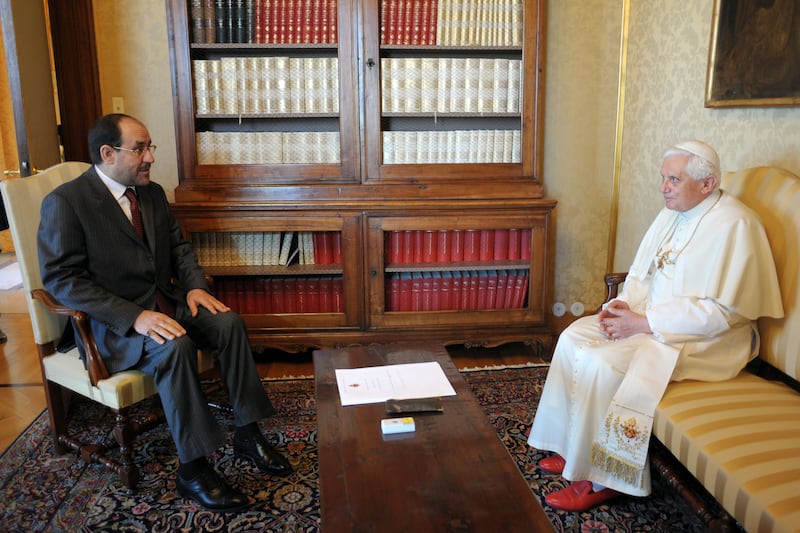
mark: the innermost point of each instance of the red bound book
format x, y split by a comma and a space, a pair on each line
500, 244
262, 305
457, 294
405, 292
333, 22
457, 246
322, 7
391, 21
220, 290
513, 245
520, 289
427, 291
249, 295
323, 247
417, 246
307, 24
312, 288
502, 281
291, 303
416, 291
416, 22
302, 295
338, 295
483, 289
325, 297
336, 245
436, 291
316, 238
486, 245
408, 246
316, 21
429, 246
258, 21
277, 296
491, 290
301, 34
266, 20
393, 292
473, 290
424, 22
291, 21
525, 244
443, 247
446, 291
433, 21
472, 251
511, 285
241, 296
394, 251
279, 21
384, 13
400, 34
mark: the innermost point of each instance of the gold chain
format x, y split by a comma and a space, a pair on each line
665, 257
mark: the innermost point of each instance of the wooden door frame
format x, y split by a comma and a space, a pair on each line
77, 76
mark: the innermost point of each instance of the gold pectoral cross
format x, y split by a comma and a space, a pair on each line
660, 260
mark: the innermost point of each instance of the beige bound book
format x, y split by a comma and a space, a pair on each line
200, 79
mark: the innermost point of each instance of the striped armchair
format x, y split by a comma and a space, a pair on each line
741, 438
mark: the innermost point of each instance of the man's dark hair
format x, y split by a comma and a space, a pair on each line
105, 130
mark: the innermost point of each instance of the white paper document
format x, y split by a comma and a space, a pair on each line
375, 384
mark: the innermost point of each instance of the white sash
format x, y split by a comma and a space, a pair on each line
621, 446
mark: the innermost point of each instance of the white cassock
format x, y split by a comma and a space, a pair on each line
702, 278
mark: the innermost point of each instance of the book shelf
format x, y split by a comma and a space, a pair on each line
386, 123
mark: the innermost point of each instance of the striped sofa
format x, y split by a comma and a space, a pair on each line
741, 438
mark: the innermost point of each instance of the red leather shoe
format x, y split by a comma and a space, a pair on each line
553, 464
579, 496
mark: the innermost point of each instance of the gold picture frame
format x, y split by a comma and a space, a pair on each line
754, 54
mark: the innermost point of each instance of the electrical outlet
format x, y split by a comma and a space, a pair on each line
118, 104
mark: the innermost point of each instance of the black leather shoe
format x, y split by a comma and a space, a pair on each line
211, 492
262, 453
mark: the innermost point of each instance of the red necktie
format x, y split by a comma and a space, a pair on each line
163, 303
136, 214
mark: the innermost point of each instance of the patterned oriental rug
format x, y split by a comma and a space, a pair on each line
42, 491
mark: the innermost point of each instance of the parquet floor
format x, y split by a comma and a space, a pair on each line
22, 395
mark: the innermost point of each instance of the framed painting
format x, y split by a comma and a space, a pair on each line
754, 54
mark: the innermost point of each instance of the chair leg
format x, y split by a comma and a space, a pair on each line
57, 412
123, 434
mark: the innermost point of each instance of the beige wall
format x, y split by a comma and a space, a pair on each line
667, 55
582, 77
133, 59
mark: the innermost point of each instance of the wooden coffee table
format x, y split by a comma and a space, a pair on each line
451, 474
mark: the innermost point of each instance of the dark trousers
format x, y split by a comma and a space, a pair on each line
173, 365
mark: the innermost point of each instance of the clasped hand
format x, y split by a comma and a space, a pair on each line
161, 327
617, 321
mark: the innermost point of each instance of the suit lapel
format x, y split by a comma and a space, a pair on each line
148, 218
107, 205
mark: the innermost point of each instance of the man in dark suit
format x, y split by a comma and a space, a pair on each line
93, 259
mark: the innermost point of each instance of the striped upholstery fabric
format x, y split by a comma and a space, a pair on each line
741, 438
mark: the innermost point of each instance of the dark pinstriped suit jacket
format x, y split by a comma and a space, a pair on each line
92, 260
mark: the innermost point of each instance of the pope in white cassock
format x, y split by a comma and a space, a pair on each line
701, 277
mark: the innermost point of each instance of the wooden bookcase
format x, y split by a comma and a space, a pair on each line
353, 121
